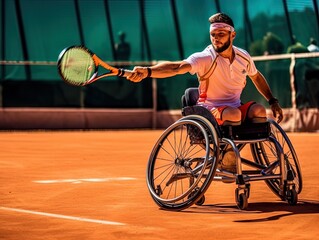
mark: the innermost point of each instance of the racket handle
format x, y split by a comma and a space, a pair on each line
124, 72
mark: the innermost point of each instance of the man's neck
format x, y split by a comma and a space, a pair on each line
228, 53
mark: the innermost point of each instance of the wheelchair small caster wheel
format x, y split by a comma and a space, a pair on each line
242, 201
200, 201
292, 196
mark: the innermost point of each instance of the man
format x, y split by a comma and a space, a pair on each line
122, 48
221, 69
122, 52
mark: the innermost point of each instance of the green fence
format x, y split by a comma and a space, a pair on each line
35, 31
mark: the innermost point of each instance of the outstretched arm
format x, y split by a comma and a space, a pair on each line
161, 70
262, 86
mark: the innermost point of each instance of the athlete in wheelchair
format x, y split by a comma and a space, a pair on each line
205, 144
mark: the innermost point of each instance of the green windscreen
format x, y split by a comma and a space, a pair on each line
147, 30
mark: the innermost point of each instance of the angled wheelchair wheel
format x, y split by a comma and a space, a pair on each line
181, 166
265, 154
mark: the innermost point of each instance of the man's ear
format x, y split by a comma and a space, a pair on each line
233, 35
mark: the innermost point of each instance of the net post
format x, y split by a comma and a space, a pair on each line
293, 90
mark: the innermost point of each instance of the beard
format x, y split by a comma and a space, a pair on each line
223, 47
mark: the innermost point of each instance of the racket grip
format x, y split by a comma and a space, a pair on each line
124, 72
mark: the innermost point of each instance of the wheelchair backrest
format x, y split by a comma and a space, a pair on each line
190, 97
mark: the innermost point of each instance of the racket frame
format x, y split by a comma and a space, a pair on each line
97, 62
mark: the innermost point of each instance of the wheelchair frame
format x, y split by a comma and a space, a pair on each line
186, 159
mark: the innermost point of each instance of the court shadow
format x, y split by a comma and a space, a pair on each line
279, 209
282, 209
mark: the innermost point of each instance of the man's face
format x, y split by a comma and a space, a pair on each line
221, 39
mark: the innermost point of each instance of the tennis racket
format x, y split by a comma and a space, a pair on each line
78, 66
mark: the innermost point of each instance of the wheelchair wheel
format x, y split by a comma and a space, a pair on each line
242, 201
181, 166
265, 154
292, 197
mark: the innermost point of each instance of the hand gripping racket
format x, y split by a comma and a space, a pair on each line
78, 66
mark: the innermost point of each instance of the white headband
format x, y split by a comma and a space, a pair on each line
220, 25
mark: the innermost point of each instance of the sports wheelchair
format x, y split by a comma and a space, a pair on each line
187, 158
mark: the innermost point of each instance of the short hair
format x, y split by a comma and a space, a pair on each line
221, 18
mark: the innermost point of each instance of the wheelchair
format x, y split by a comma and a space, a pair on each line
187, 158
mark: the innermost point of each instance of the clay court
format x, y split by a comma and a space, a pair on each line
92, 185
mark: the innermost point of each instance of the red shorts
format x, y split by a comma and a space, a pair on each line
243, 108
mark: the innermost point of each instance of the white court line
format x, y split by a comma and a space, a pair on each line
80, 180
62, 216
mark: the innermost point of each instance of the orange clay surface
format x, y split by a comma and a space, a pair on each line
92, 185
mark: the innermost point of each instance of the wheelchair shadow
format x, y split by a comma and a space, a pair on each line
283, 209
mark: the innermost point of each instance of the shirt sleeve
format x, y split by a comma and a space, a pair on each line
252, 70
199, 62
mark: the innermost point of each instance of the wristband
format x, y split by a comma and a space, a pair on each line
121, 72
149, 72
272, 101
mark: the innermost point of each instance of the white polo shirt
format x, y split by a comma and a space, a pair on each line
221, 83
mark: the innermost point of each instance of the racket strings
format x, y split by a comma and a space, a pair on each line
77, 66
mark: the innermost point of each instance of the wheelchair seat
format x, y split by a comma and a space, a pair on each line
245, 131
